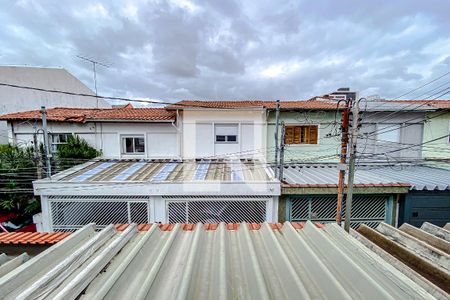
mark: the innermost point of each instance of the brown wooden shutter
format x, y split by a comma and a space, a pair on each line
313, 133
297, 135
289, 134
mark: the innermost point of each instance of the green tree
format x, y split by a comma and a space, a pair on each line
74, 152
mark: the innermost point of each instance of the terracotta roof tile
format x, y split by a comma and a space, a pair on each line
224, 104
30, 238
82, 115
50, 238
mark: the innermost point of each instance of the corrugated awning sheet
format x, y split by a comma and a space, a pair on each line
420, 177
417, 177
281, 262
328, 175
170, 171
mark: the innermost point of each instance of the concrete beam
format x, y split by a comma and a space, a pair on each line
436, 256
421, 265
426, 237
442, 233
427, 285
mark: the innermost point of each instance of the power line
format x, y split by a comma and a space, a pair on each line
416, 106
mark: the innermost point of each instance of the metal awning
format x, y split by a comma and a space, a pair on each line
163, 177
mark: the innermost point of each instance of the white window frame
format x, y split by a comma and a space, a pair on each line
236, 125
133, 136
54, 144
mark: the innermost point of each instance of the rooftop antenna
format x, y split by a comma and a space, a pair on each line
94, 70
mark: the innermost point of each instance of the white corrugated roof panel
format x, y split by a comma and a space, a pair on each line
419, 177
292, 261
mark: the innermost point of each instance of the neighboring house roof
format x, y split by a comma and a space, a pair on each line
32, 238
269, 104
156, 171
129, 105
281, 263
419, 177
82, 115
434, 103
315, 103
326, 176
425, 250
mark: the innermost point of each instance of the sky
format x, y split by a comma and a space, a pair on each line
217, 49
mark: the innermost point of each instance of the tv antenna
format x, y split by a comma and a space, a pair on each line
94, 69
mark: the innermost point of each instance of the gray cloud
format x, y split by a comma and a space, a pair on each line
233, 49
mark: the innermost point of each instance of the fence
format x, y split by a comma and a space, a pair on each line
216, 209
72, 212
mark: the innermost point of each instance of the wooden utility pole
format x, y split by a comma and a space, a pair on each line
280, 172
351, 168
48, 164
343, 159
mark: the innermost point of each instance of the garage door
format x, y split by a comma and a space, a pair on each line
430, 206
367, 209
206, 209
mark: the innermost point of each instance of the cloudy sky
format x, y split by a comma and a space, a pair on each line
255, 49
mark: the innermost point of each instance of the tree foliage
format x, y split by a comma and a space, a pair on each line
75, 151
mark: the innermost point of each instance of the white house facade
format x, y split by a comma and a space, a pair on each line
132, 133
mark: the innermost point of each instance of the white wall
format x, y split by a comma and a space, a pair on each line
199, 136
160, 138
16, 100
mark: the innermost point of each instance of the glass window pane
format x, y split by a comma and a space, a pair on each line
231, 138
129, 145
220, 138
139, 145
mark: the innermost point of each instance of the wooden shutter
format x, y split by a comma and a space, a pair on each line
289, 134
297, 135
313, 133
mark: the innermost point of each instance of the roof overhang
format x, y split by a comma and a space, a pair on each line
332, 189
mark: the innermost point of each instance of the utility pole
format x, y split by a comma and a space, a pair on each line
343, 159
280, 172
351, 168
46, 145
37, 154
277, 147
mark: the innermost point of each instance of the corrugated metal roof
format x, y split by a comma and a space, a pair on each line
9, 263
281, 263
419, 177
389, 105
326, 175
169, 171
425, 250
